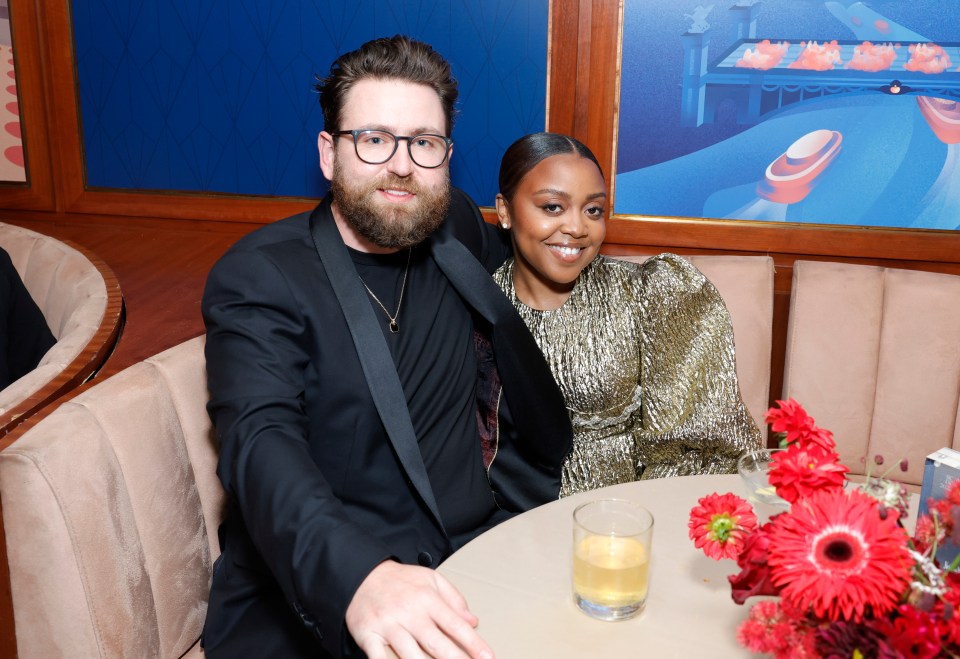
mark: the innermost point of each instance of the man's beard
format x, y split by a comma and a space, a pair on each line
394, 227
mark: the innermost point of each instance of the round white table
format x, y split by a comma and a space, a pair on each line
516, 579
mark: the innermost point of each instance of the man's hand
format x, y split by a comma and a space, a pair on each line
415, 612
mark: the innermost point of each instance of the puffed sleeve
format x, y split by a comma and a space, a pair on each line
257, 355
694, 419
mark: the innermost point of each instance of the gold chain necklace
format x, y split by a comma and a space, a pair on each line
394, 327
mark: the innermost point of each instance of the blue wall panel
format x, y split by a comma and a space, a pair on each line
216, 95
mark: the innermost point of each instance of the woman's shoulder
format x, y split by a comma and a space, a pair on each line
673, 272
665, 269
504, 275
611, 267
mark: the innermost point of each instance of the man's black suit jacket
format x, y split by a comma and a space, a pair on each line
24, 335
323, 475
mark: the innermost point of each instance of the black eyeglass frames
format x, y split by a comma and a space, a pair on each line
376, 147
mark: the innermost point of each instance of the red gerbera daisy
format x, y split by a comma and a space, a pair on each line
832, 553
720, 523
799, 471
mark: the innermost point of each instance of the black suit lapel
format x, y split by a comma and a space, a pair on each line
378, 367
531, 466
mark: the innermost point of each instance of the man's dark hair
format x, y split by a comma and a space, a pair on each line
530, 150
393, 58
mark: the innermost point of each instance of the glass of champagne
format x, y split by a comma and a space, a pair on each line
611, 558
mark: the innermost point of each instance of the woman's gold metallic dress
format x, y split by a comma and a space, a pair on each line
644, 356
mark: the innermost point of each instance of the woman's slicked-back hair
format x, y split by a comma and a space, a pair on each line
530, 150
394, 58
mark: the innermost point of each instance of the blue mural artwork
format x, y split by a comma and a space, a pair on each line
216, 95
801, 111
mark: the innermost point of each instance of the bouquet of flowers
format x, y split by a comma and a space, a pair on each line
844, 577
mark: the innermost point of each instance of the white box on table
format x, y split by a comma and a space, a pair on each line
941, 468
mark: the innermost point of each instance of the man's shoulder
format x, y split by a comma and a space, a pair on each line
466, 224
284, 247
295, 228
462, 214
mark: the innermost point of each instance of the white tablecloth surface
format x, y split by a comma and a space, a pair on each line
516, 579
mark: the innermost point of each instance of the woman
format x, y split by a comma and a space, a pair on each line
643, 353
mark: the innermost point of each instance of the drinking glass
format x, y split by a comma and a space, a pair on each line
754, 468
611, 558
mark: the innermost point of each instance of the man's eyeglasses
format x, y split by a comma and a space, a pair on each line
376, 147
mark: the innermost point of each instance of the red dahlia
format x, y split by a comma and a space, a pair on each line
791, 419
799, 471
719, 524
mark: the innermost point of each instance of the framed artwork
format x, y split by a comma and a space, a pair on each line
25, 168
805, 112
12, 169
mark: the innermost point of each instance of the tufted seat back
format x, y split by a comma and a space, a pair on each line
110, 509
873, 354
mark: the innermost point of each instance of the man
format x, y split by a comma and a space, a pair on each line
351, 380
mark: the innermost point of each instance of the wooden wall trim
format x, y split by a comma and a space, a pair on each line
74, 196
766, 237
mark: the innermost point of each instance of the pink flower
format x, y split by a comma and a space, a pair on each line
942, 518
798, 472
719, 524
771, 629
928, 533
766, 629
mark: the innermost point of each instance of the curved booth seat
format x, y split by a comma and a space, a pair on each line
81, 301
111, 506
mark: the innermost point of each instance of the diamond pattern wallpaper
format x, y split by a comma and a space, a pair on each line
217, 95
